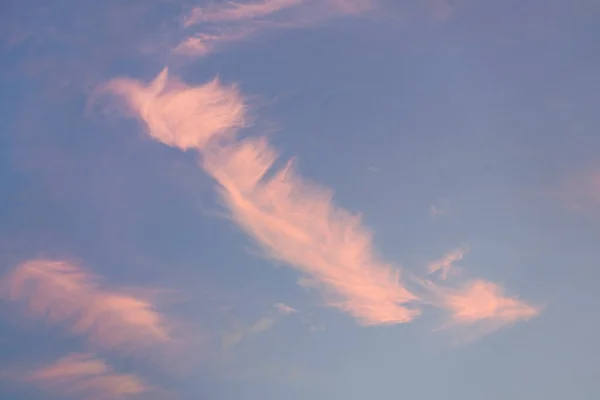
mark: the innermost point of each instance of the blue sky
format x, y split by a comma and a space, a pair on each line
299, 199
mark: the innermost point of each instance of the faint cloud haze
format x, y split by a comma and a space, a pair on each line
442, 10
264, 324
581, 191
435, 211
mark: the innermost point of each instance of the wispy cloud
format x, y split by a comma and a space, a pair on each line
71, 296
83, 376
480, 305
228, 21
290, 218
445, 265
238, 11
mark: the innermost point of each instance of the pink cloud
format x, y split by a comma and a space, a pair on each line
480, 305
202, 44
291, 219
66, 294
482, 300
197, 46
83, 376
445, 264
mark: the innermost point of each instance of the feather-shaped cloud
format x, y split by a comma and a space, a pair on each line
290, 218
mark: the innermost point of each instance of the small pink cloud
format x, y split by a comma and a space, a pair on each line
481, 300
481, 305
285, 309
203, 44
66, 294
196, 46
83, 376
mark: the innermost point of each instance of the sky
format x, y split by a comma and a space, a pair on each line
299, 199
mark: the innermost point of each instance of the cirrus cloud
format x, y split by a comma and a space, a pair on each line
296, 221
293, 220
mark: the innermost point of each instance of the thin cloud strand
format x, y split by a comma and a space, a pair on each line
445, 265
